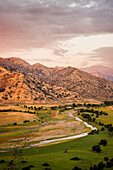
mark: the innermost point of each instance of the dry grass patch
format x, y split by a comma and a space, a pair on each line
8, 118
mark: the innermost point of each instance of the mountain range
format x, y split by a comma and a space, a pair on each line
23, 82
100, 71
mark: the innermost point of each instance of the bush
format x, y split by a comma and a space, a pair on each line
108, 164
23, 162
2, 161
45, 164
103, 142
26, 168
92, 132
102, 129
15, 123
111, 160
25, 121
31, 166
96, 148
76, 168
106, 158
75, 159
2, 90
101, 165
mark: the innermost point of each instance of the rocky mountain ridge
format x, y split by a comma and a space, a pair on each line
40, 83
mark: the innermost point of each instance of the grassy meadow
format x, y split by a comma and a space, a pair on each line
54, 153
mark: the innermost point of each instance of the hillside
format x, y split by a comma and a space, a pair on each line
84, 84
100, 71
16, 86
40, 83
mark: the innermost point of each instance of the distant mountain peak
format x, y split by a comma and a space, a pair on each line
100, 71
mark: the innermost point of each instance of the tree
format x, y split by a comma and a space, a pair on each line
103, 142
76, 168
101, 165
15, 123
73, 105
96, 148
106, 158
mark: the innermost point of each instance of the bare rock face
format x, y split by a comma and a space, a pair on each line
20, 81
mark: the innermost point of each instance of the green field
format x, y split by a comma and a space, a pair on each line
55, 155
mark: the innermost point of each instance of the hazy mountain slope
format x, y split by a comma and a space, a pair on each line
100, 71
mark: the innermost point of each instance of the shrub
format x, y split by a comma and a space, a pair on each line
75, 159
2, 90
31, 166
101, 165
96, 148
108, 164
76, 168
111, 160
45, 164
92, 132
25, 121
26, 168
103, 142
2, 161
15, 123
106, 158
102, 129
23, 162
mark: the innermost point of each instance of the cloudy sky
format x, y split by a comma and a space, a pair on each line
57, 32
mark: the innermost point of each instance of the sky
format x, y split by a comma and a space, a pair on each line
75, 33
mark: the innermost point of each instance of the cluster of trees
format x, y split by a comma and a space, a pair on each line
14, 110
93, 132
103, 142
101, 165
94, 111
97, 148
108, 103
109, 127
54, 108
33, 108
87, 105
88, 117
6, 110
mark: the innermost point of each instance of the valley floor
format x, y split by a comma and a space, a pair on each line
25, 125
